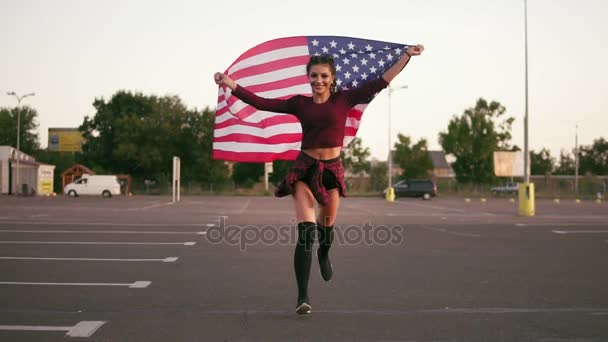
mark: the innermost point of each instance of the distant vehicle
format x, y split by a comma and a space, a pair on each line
105, 186
424, 188
507, 189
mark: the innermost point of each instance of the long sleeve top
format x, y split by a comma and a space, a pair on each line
322, 123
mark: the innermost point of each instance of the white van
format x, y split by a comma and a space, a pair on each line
93, 185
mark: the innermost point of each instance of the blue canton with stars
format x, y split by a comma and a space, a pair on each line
357, 60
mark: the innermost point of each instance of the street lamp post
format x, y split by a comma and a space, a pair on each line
576, 162
390, 195
526, 190
19, 98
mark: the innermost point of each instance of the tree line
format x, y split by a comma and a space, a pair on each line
137, 134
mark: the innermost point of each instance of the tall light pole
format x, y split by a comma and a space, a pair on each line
526, 156
526, 190
19, 98
390, 195
576, 162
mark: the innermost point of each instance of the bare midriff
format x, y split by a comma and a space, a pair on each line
323, 153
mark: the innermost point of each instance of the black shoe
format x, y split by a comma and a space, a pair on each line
303, 307
325, 266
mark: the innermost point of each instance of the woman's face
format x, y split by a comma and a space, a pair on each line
320, 78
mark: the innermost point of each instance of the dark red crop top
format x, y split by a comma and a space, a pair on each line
322, 123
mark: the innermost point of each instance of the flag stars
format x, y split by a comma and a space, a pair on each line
315, 42
353, 55
364, 61
346, 61
398, 51
364, 76
351, 46
339, 82
369, 47
347, 75
386, 48
336, 55
317, 54
342, 51
355, 83
389, 57
333, 44
338, 67
381, 63
355, 69
325, 49
373, 70
372, 55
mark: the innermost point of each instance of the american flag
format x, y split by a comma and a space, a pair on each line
277, 69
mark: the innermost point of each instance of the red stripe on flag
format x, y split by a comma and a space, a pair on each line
270, 66
271, 45
254, 157
254, 139
268, 122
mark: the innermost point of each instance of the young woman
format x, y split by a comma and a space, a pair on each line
317, 173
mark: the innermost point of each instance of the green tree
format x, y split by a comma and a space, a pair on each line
566, 164
473, 137
541, 163
378, 176
279, 170
138, 135
28, 137
247, 174
354, 157
413, 159
594, 158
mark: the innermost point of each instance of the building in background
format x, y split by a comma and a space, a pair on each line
34, 177
65, 140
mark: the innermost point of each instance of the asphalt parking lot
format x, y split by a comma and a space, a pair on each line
220, 269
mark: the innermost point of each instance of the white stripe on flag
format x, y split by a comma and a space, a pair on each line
270, 56
273, 76
251, 147
256, 117
259, 132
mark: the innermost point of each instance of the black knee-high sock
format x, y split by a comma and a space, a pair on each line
302, 257
326, 237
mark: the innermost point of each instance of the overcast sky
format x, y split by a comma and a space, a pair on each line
71, 52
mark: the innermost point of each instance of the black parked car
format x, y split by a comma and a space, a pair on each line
424, 188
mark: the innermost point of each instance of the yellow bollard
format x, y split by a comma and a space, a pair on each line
483, 200
468, 200
578, 201
390, 194
526, 199
556, 200
512, 200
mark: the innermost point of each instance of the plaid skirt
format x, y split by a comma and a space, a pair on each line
300, 171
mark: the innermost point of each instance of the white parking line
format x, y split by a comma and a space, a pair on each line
188, 243
82, 329
565, 232
136, 285
443, 230
151, 206
98, 232
39, 215
110, 224
168, 259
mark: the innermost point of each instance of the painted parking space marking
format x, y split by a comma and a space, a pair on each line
81, 329
566, 232
135, 285
188, 243
98, 232
168, 259
109, 224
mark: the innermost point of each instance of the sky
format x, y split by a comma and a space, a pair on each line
70, 52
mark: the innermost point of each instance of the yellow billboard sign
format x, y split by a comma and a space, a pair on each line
65, 140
